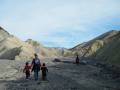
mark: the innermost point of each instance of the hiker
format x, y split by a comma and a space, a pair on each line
27, 70
77, 60
36, 66
44, 72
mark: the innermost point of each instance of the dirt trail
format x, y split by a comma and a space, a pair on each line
64, 76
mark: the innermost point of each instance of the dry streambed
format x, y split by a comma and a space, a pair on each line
63, 76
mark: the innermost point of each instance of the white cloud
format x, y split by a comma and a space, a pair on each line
41, 18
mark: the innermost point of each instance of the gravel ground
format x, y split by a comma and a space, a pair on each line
61, 76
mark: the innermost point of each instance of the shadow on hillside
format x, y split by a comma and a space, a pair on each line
10, 54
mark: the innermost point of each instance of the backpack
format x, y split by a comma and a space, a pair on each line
36, 64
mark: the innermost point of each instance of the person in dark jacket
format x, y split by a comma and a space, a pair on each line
77, 60
36, 66
44, 72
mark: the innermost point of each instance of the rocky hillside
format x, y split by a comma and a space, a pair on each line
47, 52
110, 52
12, 47
104, 48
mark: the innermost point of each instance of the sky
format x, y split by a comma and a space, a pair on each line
59, 23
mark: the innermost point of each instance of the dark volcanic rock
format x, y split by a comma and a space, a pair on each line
56, 60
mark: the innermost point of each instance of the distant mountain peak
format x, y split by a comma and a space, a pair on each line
33, 42
3, 34
3, 30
